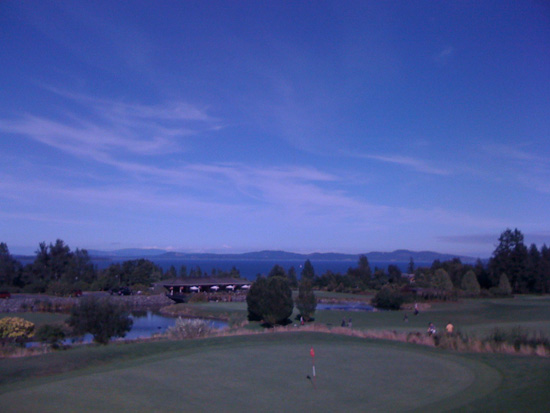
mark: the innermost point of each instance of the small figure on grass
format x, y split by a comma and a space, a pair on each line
450, 329
431, 329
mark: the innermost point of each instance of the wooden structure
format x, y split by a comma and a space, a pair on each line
179, 289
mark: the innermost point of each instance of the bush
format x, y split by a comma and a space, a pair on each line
189, 328
270, 300
470, 285
15, 330
101, 317
51, 334
389, 298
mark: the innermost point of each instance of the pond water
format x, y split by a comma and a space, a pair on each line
346, 306
149, 323
146, 324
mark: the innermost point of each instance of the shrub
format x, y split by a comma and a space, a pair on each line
189, 328
15, 330
101, 317
389, 298
270, 300
50, 334
470, 284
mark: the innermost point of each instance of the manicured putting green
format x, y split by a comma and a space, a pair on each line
266, 372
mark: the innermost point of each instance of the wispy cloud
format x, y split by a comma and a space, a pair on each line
112, 127
444, 55
526, 168
409, 162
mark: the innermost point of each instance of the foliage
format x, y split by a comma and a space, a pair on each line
470, 284
306, 302
389, 297
292, 278
270, 300
504, 288
9, 267
308, 272
185, 328
442, 281
15, 329
51, 334
100, 317
510, 257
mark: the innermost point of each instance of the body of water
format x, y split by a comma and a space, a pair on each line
146, 325
249, 269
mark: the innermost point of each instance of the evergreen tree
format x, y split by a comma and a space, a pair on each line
410, 268
441, 281
10, 268
306, 302
270, 299
292, 278
277, 271
308, 272
504, 287
510, 257
470, 284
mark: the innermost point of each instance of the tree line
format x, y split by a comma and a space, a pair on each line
59, 271
513, 267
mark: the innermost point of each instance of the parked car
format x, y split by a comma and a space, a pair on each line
5, 294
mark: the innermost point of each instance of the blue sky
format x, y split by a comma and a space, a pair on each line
304, 126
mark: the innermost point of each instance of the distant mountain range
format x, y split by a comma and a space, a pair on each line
395, 256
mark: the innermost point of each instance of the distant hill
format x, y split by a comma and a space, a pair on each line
395, 256
128, 252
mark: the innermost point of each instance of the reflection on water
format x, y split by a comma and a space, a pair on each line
146, 324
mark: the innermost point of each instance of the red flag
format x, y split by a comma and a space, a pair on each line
312, 352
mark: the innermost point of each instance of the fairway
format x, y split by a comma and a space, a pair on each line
265, 372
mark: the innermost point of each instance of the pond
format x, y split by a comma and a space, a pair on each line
146, 324
346, 306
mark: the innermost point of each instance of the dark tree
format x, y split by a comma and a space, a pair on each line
10, 268
292, 278
308, 272
510, 257
170, 273
410, 268
306, 302
389, 297
255, 299
277, 271
532, 271
270, 300
470, 284
545, 269
394, 274
100, 317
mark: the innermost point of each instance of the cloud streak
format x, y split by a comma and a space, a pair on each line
415, 164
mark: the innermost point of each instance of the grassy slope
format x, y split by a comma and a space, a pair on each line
520, 382
267, 372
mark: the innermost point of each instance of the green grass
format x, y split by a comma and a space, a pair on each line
267, 372
38, 319
470, 316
